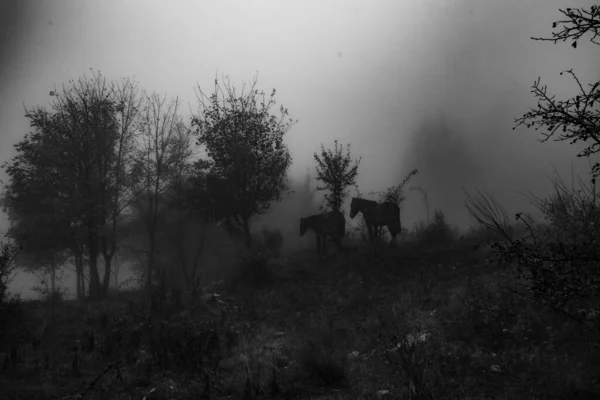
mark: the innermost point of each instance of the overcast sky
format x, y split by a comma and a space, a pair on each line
427, 84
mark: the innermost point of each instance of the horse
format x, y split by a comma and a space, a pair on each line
377, 215
331, 224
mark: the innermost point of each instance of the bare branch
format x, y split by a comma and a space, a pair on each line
579, 22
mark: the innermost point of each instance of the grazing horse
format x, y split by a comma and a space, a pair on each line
273, 241
332, 224
377, 215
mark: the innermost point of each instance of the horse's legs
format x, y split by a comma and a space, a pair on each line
370, 230
392, 235
375, 234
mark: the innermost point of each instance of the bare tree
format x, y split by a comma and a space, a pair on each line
161, 157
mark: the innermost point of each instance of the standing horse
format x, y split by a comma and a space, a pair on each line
331, 224
377, 215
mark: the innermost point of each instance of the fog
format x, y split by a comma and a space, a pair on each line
427, 84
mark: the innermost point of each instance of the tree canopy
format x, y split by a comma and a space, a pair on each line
336, 172
248, 160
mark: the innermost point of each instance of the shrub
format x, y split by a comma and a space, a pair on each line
10, 304
560, 262
437, 234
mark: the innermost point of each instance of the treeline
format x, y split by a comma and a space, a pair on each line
106, 161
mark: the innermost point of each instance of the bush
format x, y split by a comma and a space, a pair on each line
560, 262
10, 305
437, 234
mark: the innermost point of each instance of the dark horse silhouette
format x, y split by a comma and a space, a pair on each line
377, 215
331, 224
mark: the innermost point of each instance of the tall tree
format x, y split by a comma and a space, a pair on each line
163, 155
36, 198
244, 142
81, 147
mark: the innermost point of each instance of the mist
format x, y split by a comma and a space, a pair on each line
428, 84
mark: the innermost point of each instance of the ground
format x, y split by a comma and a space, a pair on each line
387, 323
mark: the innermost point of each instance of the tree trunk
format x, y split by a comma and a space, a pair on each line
79, 274
247, 236
105, 283
95, 289
109, 247
116, 271
150, 270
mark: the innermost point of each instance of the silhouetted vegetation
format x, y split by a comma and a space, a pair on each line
576, 117
248, 160
336, 172
68, 180
509, 309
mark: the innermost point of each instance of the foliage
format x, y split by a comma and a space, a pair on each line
244, 142
395, 194
34, 203
8, 254
336, 172
577, 117
561, 265
573, 213
10, 304
558, 262
73, 167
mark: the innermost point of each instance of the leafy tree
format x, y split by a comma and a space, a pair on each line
77, 157
244, 143
336, 172
34, 199
577, 117
45, 240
